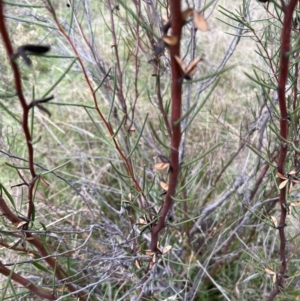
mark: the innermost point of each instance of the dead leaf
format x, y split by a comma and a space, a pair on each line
170, 40
193, 64
149, 252
274, 278
154, 258
292, 172
164, 185
137, 264
200, 22
192, 67
151, 264
269, 271
186, 14
281, 176
44, 182
158, 210
20, 224
161, 165
142, 221
166, 249
283, 184
274, 221
180, 63
295, 204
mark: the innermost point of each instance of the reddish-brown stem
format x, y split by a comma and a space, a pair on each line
175, 125
259, 180
284, 128
25, 106
295, 95
218, 177
26, 283
107, 124
271, 62
30, 198
18, 85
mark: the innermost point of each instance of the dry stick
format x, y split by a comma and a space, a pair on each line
203, 85
25, 106
187, 103
218, 177
26, 283
136, 63
210, 208
156, 63
259, 180
284, 129
160, 99
222, 291
267, 55
185, 209
120, 92
225, 249
224, 246
37, 243
241, 221
16, 248
52, 172
256, 186
197, 279
18, 84
176, 89
91, 44
107, 124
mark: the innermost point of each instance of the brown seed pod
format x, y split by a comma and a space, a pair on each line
38, 49
26, 49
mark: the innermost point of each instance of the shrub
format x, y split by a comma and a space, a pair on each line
140, 148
